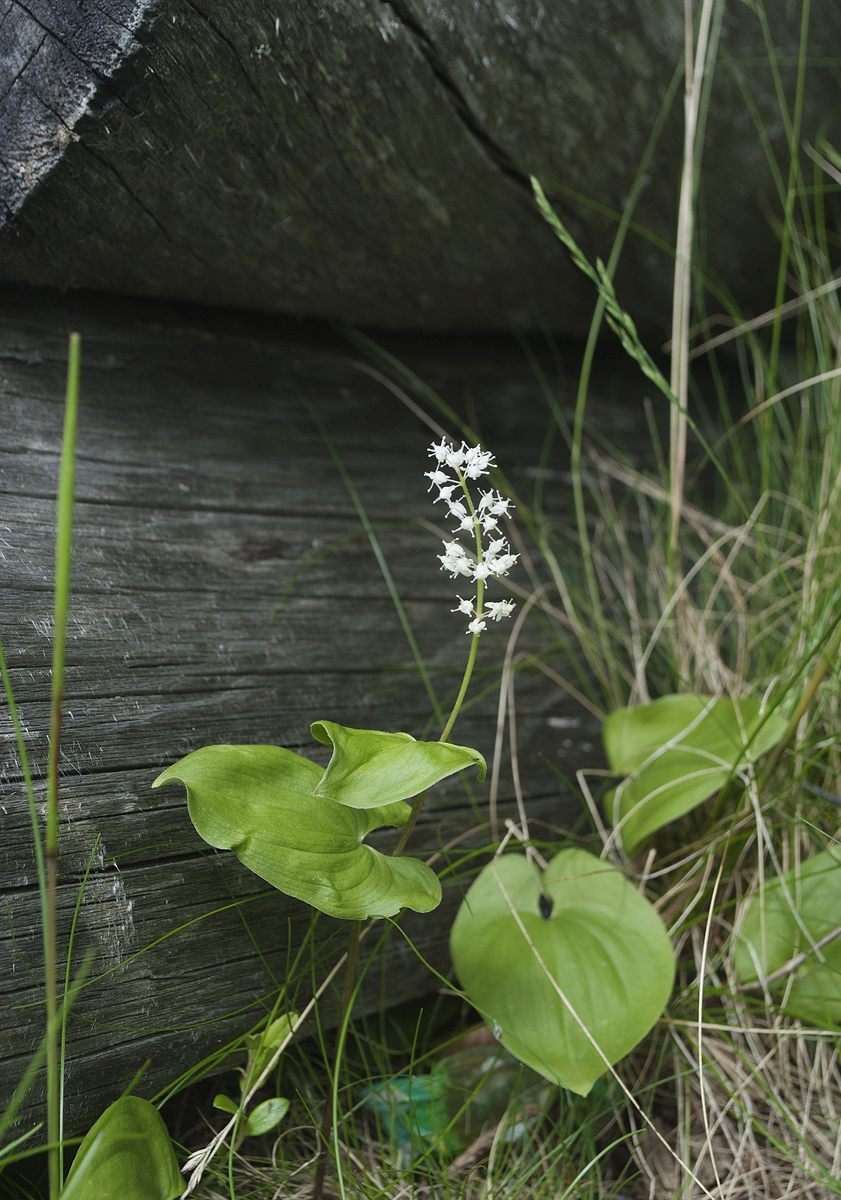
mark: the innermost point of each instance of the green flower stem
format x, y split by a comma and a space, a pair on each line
417, 804
474, 645
347, 997
468, 671
64, 542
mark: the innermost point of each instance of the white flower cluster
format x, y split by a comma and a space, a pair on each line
481, 520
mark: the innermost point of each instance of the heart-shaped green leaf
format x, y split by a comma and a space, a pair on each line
370, 768
127, 1155
789, 916
265, 1116
603, 945
260, 802
676, 752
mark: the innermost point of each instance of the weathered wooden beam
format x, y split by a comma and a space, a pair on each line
203, 487
370, 160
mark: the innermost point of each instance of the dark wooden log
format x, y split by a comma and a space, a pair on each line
370, 160
203, 486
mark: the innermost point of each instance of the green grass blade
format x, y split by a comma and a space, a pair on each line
64, 545
381, 561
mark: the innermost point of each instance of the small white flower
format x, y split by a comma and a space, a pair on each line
503, 564
437, 477
445, 492
477, 462
456, 566
469, 463
497, 609
500, 506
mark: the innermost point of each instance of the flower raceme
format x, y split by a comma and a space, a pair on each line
481, 520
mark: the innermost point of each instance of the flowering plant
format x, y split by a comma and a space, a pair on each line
479, 519
301, 827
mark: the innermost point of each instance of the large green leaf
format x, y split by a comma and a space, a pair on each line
260, 802
127, 1155
370, 768
786, 918
677, 752
603, 944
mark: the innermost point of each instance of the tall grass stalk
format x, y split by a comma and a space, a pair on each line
63, 553
696, 66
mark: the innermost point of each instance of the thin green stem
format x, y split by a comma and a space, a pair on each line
65, 1009
30, 792
788, 218
417, 804
378, 554
480, 596
64, 543
330, 1107
468, 671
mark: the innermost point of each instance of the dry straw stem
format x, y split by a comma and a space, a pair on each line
789, 309
789, 391
197, 1163
506, 700
682, 292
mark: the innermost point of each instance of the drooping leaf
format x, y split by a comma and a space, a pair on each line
265, 1116
370, 768
225, 1103
789, 916
603, 945
676, 752
259, 801
127, 1155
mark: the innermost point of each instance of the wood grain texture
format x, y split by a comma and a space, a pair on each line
203, 486
369, 160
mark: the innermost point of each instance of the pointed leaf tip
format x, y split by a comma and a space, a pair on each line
370, 768
261, 802
127, 1155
